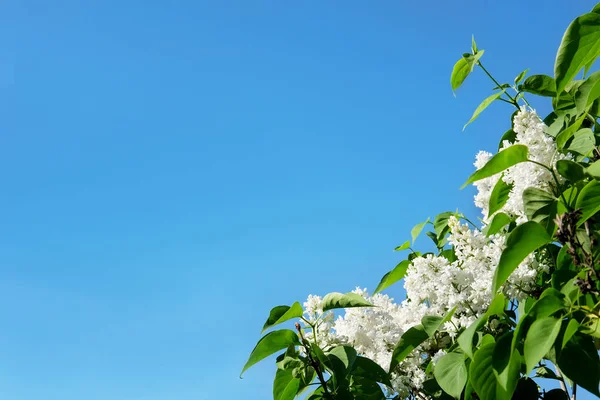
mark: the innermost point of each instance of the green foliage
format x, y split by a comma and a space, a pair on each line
285, 386
408, 342
463, 68
483, 377
583, 143
563, 137
403, 246
465, 340
520, 77
570, 170
417, 229
578, 360
393, 276
540, 339
542, 85
498, 163
499, 196
540, 206
281, 314
589, 201
579, 48
588, 92
521, 242
499, 221
451, 373
484, 104
271, 343
339, 300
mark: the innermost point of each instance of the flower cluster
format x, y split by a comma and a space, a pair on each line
529, 130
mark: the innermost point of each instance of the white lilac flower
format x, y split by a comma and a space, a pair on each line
374, 333
529, 130
436, 357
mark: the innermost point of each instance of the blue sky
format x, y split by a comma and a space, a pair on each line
173, 169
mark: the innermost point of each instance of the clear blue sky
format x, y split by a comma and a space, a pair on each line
170, 170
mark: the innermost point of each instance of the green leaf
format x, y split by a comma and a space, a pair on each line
594, 170
563, 137
465, 339
344, 355
545, 372
570, 90
542, 85
450, 372
463, 68
570, 170
588, 92
407, 343
521, 242
434, 238
506, 363
433, 390
499, 221
281, 314
527, 389
540, 338
271, 343
583, 142
432, 323
572, 328
589, 200
338, 300
317, 394
508, 375
440, 223
487, 339
340, 360
563, 259
416, 230
482, 376
591, 327
285, 386
509, 135
484, 104
499, 196
470, 392
473, 45
580, 46
504, 159
403, 246
316, 350
579, 362
540, 206
369, 369
362, 389
555, 121
550, 302
393, 276
520, 77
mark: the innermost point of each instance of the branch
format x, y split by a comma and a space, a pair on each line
563, 385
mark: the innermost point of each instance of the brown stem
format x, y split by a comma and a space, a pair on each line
314, 363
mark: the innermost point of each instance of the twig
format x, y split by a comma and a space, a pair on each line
563, 385
314, 363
